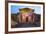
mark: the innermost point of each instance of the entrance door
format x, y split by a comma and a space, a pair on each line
26, 19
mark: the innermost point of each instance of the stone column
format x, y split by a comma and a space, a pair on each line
23, 18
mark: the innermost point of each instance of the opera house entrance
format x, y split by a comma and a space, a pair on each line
26, 19
25, 15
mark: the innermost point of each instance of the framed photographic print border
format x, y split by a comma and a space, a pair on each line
6, 16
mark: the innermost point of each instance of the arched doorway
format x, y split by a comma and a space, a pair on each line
26, 19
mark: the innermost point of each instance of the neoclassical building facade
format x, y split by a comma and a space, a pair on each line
26, 15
